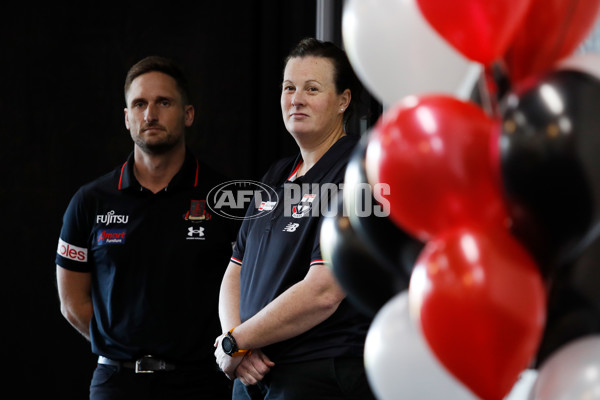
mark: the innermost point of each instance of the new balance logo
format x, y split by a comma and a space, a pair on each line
291, 227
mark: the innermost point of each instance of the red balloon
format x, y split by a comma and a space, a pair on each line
551, 30
482, 307
481, 30
434, 152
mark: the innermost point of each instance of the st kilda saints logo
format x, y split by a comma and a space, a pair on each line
303, 208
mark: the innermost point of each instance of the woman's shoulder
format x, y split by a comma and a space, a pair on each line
279, 170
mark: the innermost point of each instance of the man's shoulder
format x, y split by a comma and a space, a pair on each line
106, 181
109, 182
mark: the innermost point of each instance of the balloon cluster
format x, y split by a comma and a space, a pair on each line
488, 266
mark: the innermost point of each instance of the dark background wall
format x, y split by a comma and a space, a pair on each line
61, 125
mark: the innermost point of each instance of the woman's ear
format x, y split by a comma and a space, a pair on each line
345, 98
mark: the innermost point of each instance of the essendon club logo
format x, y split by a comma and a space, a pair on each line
197, 211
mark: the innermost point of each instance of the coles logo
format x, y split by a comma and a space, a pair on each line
71, 252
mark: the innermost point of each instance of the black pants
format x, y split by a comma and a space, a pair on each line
114, 383
326, 379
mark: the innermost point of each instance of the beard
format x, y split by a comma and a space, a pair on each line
156, 148
153, 146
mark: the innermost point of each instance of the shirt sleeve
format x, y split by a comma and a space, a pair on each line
72, 252
333, 206
316, 258
240, 244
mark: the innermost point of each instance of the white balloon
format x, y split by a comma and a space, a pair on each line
588, 63
395, 52
523, 389
399, 363
571, 373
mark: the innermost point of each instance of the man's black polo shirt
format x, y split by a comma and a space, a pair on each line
156, 261
275, 251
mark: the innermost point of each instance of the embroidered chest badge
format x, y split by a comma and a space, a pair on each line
197, 211
303, 208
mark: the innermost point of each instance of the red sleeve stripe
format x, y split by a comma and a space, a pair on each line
121, 177
236, 261
317, 262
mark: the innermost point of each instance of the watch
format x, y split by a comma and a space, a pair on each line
230, 346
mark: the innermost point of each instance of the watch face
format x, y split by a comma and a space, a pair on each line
227, 345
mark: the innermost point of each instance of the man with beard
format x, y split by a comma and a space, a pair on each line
140, 256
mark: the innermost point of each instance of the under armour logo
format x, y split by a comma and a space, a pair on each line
291, 227
192, 231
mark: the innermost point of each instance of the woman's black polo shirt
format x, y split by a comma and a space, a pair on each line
275, 251
156, 261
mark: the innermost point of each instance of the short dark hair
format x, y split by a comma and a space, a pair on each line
343, 74
159, 64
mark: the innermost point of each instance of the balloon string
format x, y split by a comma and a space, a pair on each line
569, 257
488, 93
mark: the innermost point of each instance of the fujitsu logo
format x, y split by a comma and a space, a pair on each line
111, 218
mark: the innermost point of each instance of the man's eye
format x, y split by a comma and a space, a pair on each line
165, 103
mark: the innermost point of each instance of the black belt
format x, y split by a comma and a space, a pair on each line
144, 365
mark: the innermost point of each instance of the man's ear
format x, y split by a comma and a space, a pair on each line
189, 115
126, 119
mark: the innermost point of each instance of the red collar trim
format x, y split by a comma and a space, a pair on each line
197, 171
195, 177
121, 177
295, 171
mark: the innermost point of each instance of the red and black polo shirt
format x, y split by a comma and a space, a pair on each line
156, 259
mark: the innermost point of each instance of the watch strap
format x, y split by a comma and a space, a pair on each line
236, 351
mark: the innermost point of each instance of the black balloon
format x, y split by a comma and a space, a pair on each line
573, 302
370, 256
550, 163
368, 284
395, 249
